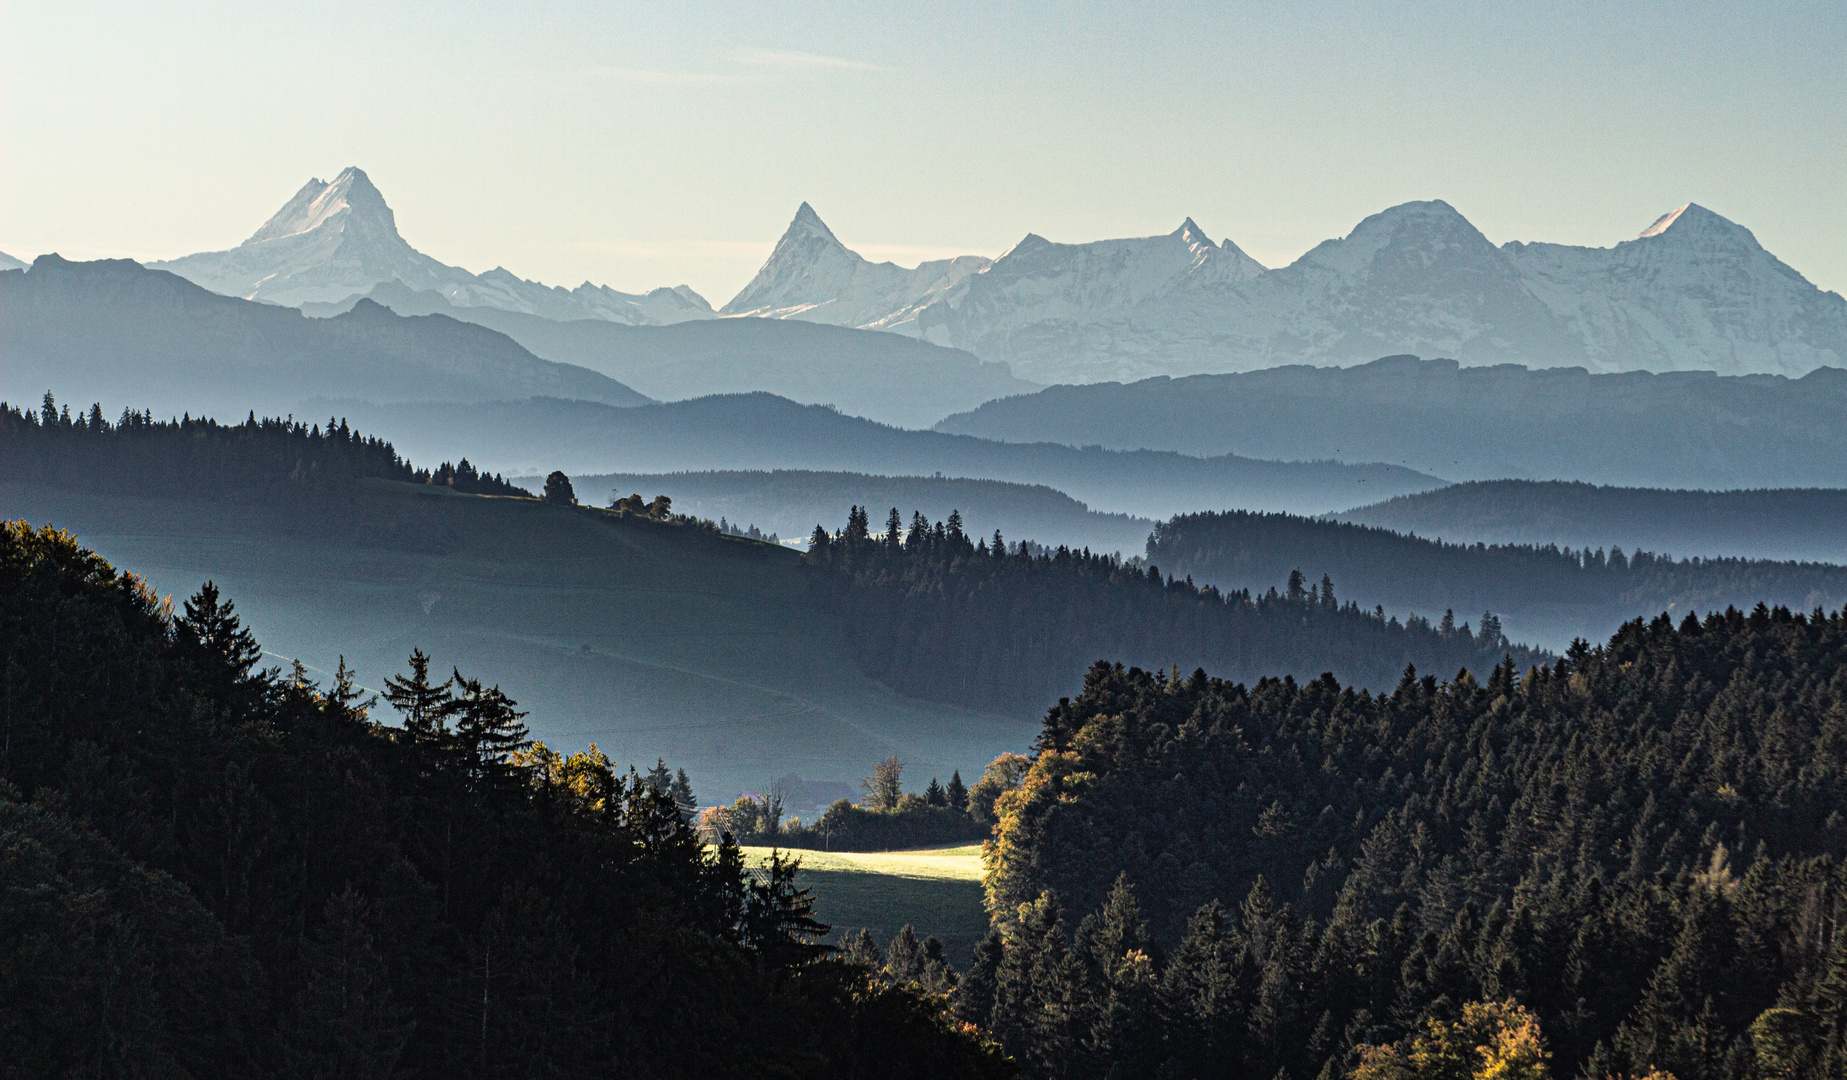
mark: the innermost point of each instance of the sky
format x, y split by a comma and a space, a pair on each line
644, 145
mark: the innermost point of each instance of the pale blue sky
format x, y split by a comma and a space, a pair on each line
641, 145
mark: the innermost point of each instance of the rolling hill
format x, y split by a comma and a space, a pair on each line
1541, 594
761, 431
792, 502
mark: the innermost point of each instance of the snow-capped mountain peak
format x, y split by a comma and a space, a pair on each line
809, 223
811, 275
1663, 222
338, 239
319, 202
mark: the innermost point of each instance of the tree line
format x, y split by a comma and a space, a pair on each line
215, 870
1235, 548
1640, 844
992, 624
267, 461
886, 818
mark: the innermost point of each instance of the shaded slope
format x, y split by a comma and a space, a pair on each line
884, 377
627, 634
115, 332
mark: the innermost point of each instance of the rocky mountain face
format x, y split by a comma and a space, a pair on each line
1693, 292
338, 239
7, 262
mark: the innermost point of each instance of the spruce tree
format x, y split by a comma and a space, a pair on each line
957, 792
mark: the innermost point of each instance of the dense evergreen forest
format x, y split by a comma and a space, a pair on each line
1560, 592
272, 462
985, 623
1636, 851
211, 870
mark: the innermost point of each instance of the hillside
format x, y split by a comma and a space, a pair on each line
739, 661
763, 432
212, 870
1543, 595
114, 332
791, 503
883, 377
1686, 429
1807, 524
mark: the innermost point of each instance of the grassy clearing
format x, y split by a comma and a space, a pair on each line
935, 890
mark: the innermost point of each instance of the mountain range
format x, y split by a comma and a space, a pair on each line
1693, 292
1637, 429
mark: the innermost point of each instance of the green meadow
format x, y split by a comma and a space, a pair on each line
935, 890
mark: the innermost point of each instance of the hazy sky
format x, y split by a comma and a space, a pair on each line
641, 145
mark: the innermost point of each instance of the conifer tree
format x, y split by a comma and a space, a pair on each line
956, 793
425, 705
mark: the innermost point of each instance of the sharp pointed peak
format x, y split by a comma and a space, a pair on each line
807, 222
1664, 222
1190, 230
1686, 216
351, 191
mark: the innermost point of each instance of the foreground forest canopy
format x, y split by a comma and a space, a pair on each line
1640, 844
212, 870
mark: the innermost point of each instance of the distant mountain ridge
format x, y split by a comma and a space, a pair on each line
338, 238
1693, 292
883, 377
1634, 429
116, 332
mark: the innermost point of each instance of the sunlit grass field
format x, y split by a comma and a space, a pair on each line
936, 890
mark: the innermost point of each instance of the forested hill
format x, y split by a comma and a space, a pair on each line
1773, 523
1545, 595
1641, 843
271, 461
987, 623
212, 871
